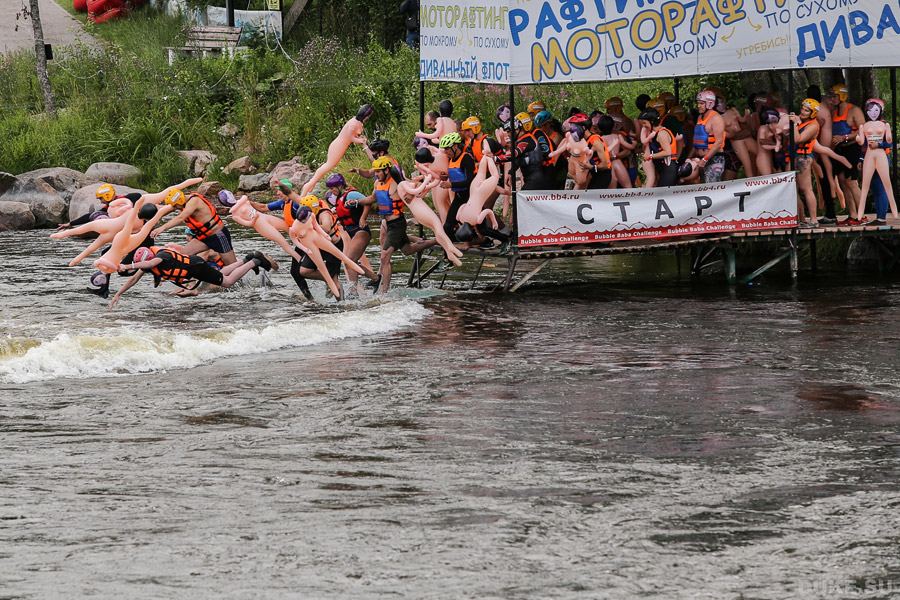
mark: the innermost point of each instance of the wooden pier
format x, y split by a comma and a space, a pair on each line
523, 264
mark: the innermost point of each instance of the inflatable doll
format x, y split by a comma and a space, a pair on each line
412, 193
351, 133
306, 233
128, 239
444, 124
436, 161
483, 186
268, 226
875, 134
580, 153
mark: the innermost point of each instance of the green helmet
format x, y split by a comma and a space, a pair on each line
449, 140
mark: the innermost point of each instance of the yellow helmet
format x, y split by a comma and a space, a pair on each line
840, 90
175, 197
523, 121
536, 107
473, 124
812, 105
311, 201
382, 162
106, 193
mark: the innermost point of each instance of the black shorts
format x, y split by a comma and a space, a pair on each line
396, 237
201, 270
852, 153
332, 262
600, 179
352, 230
220, 241
666, 174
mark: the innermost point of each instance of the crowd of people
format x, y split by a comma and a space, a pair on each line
838, 150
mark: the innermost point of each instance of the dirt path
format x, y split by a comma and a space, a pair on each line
60, 28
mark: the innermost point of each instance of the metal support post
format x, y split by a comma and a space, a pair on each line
730, 264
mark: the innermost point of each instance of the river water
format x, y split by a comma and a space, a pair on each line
625, 436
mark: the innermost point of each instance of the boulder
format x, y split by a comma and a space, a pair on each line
209, 189
15, 216
111, 172
228, 130
292, 169
253, 183
47, 206
62, 179
242, 165
84, 200
198, 161
7, 180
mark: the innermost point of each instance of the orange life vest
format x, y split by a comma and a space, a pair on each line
203, 229
596, 137
177, 273
805, 147
387, 206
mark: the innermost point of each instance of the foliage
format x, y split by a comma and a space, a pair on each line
125, 103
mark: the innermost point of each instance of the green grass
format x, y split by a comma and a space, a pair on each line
125, 103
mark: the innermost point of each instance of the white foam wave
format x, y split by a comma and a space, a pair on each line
131, 350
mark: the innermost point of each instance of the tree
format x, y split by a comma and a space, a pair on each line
33, 11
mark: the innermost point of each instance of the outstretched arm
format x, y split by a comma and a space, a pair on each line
129, 284
160, 196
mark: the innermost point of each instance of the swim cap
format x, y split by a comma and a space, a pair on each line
284, 181
472, 124
812, 105
175, 197
449, 140
335, 180
523, 121
542, 117
143, 253
651, 115
147, 211
226, 198
106, 193
386, 163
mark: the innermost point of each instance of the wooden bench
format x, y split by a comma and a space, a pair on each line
207, 40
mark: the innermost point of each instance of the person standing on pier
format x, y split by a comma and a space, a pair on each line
709, 138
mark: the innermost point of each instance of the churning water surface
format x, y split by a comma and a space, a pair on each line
627, 436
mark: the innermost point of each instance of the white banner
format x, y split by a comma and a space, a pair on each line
550, 218
530, 41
